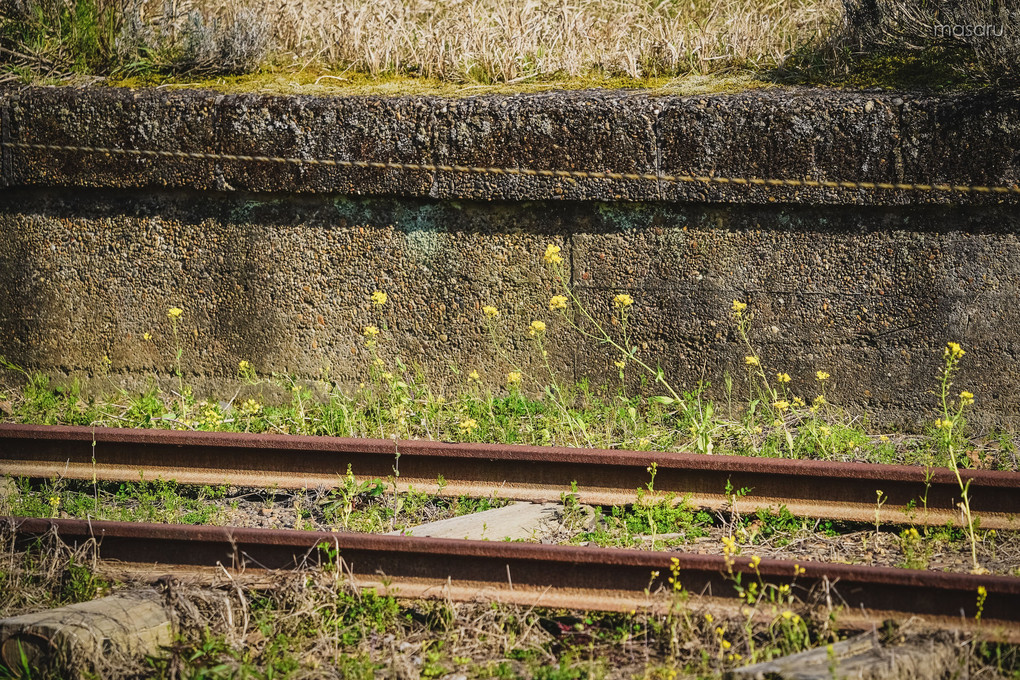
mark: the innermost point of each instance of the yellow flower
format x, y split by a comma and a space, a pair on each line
473, 375
953, 350
552, 254
490, 311
781, 405
513, 378
622, 301
370, 331
146, 336
558, 302
982, 591
379, 298
821, 376
820, 400
966, 398
798, 570
752, 361
783, 377
755, 561
738, 307
379, 362
787, 615
250, 407
537, 327
468, 425
174, 312
798, 402
54, 502
883, 438
620, 364
709, 618
243, 365
824, 431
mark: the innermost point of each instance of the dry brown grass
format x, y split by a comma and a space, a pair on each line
516, 40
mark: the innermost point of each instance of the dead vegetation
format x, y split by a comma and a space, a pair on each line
512, 40
970, 34
483, 41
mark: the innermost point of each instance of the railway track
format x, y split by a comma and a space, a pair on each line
550, 575
842, 491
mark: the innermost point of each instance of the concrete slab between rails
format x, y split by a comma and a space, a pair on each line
862, 657
781, 134
96, 633
514, 522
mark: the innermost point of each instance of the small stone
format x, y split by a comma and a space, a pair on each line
869, 107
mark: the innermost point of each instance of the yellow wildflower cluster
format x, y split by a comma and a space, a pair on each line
250, 408
513, 378
781, 405
468, 425
946, 424
738, 308
370, 331
558, 302
752, 361
209, 415
821, 376
791, 617
536, 328
674, 569
552, 254
146, 336
622, 301
755, 561
953, 350
243, 365
783, 377
174, 312
379, 298
490, 311
966, 398
473, 375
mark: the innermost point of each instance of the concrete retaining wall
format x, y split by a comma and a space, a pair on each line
274, 263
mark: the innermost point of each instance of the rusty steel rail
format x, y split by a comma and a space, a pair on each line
546, 575
843, 491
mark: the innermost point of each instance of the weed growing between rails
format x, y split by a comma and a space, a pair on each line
952, 420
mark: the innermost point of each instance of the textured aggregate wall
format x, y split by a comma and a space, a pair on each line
870, 295
274, 264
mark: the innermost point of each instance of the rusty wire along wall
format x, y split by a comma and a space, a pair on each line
273, 259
